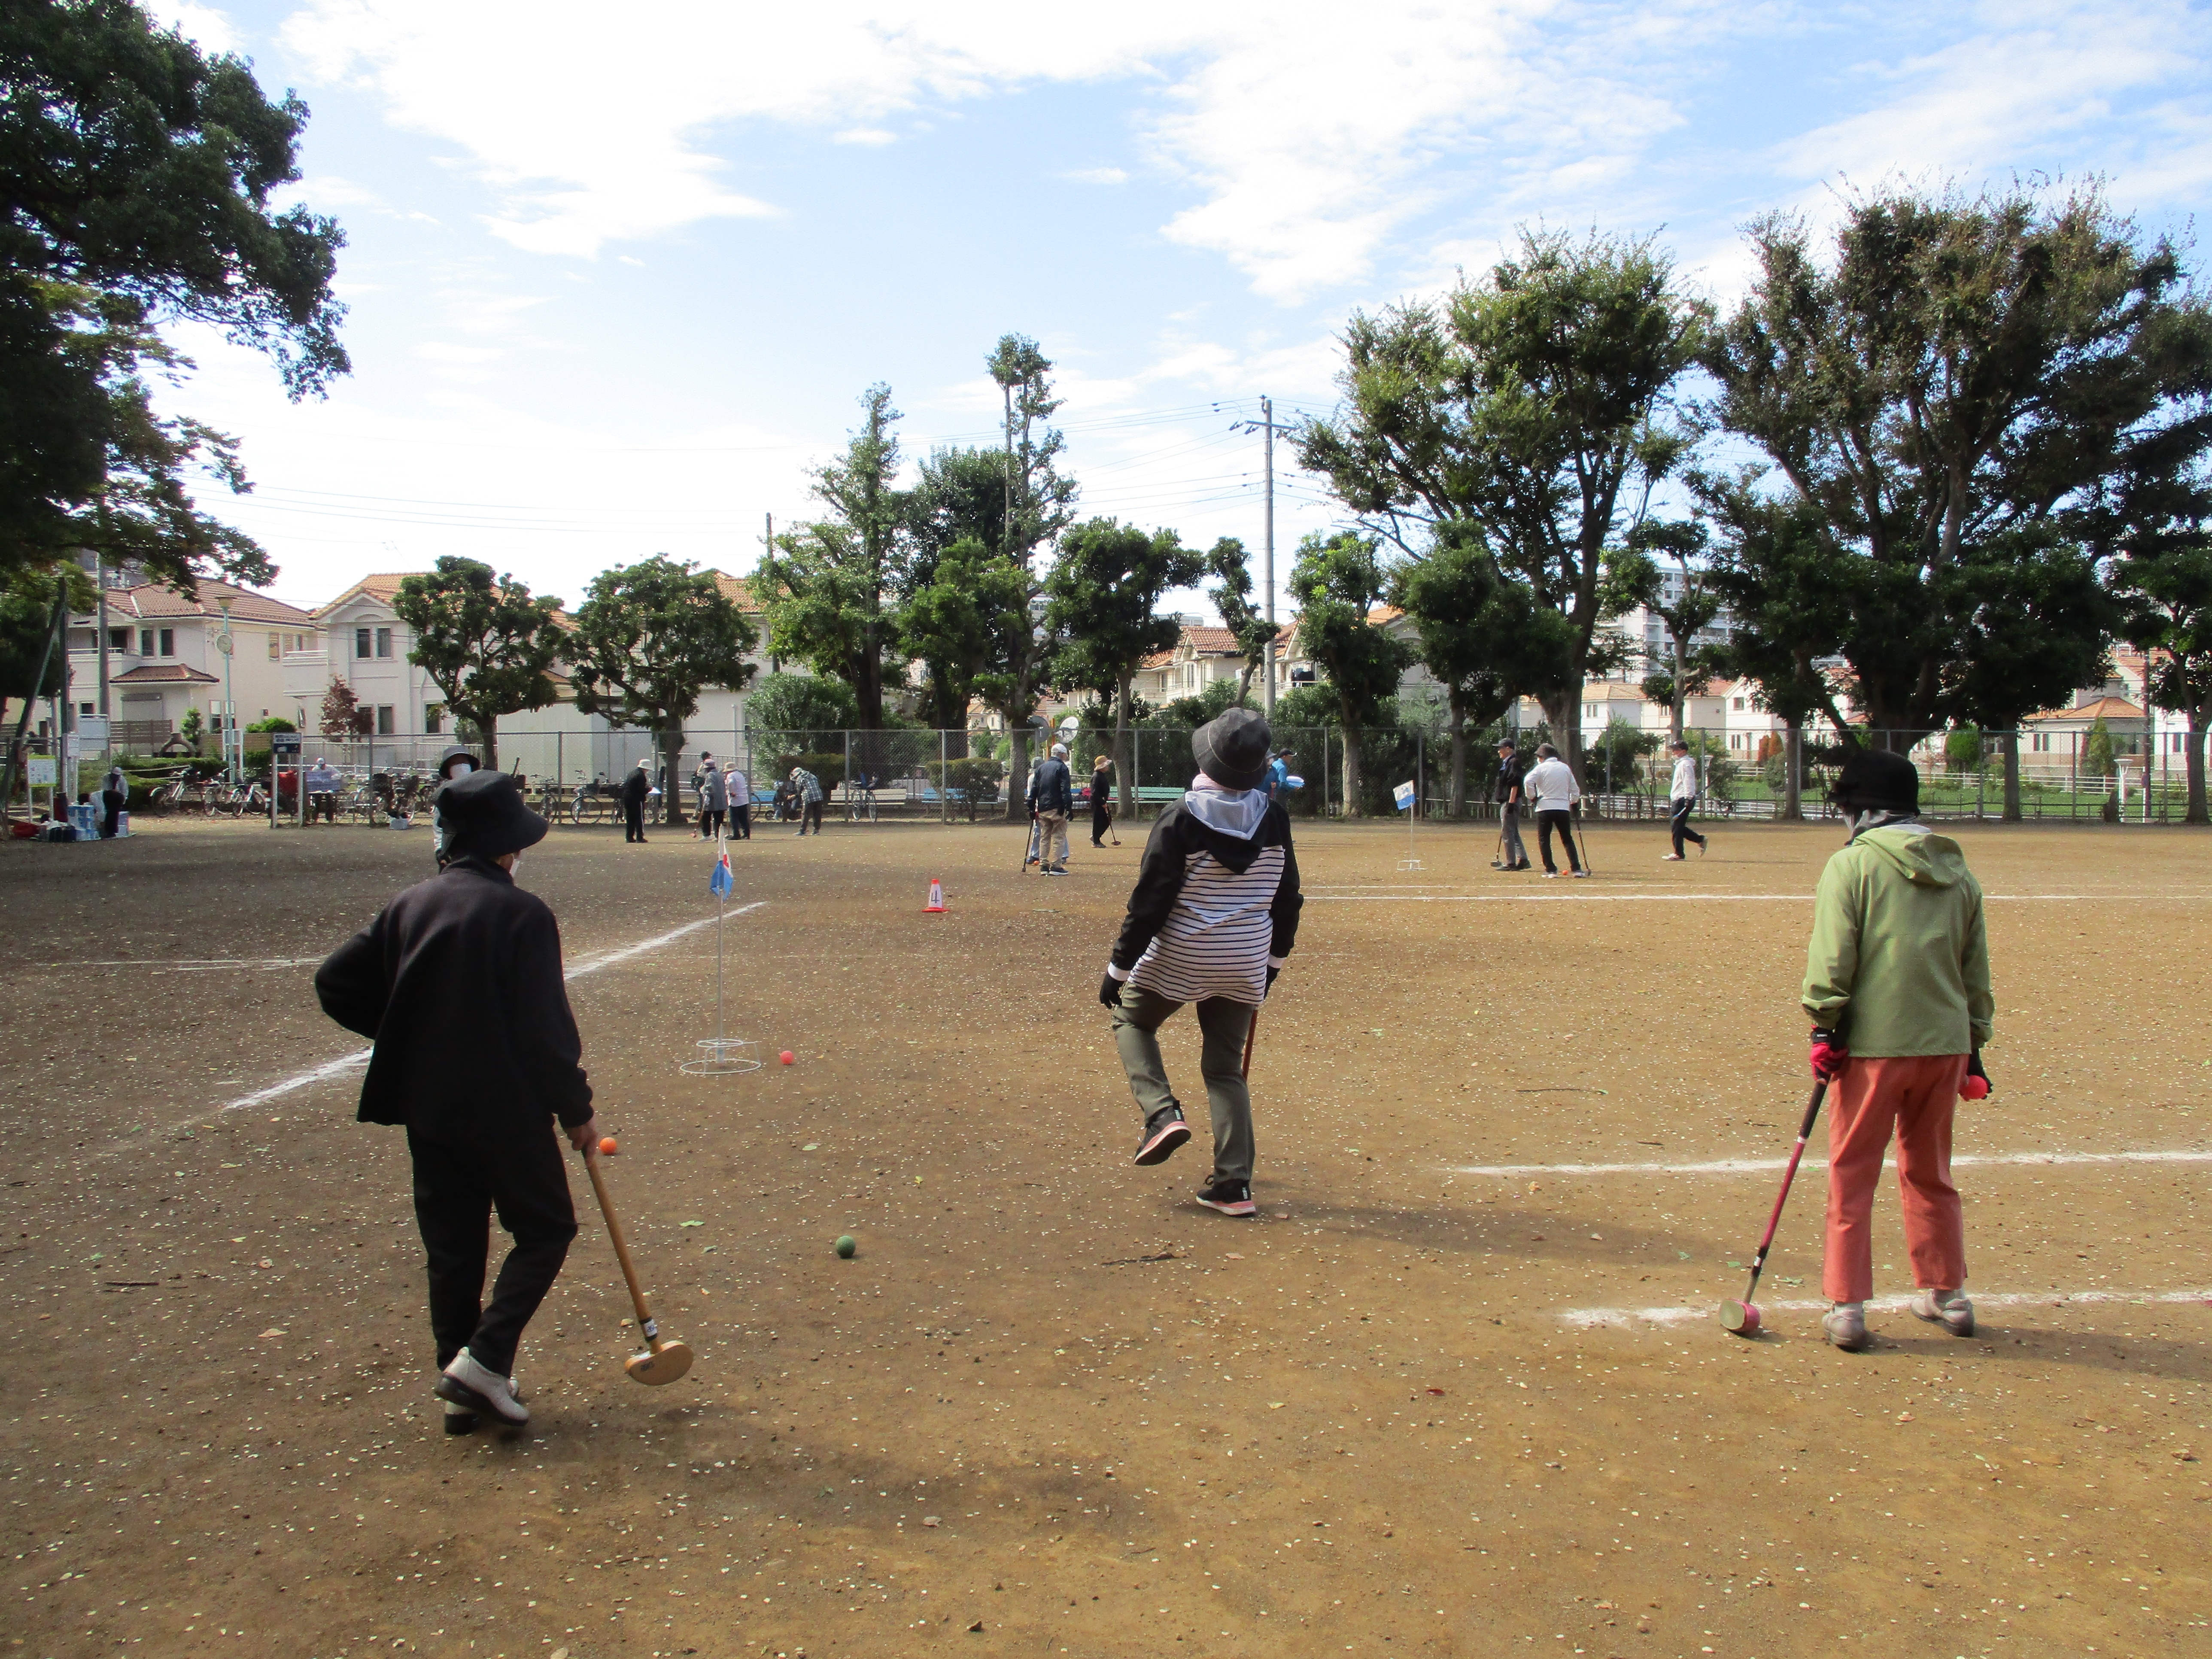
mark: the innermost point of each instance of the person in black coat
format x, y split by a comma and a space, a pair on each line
458, 984
634, 788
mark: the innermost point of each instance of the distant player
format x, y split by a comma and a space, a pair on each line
1897, 984
1214, 916
458, 984
1551, 784
1511, 855
1681, 800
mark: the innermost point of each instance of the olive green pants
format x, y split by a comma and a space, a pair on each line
1222, 1026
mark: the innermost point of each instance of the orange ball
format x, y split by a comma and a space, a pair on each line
607, 1146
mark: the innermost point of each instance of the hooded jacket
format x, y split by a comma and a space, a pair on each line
458, 983
1217, 900
1900, 958
1051, 789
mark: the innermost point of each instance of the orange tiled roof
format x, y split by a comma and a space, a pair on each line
2108, 708
382, 587
168, 673
150, 600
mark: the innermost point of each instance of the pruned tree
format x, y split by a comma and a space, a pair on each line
486, 641
648, 639
1232, 597
1100, 599
137, 174
343, 713
1339, 581
830, 600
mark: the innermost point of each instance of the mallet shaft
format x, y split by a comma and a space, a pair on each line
621, 1253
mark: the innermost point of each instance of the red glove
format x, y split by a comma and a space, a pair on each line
1829, 1055
1976, 1084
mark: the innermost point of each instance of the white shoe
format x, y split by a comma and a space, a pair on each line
1670, 857
482, 1390
1845, 1324
1949, 1308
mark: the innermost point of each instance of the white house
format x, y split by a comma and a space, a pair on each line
164, 658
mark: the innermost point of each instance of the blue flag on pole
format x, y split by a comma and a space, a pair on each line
720, 882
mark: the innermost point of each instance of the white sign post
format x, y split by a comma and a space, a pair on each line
1408, 798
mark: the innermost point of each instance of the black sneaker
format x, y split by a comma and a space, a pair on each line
1230, 1198
1164, 1131
459, 1419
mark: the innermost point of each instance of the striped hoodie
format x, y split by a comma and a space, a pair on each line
1216, 902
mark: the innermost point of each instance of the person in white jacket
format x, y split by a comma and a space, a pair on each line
1551, 784
1682, 796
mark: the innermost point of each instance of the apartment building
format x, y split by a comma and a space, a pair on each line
165, 656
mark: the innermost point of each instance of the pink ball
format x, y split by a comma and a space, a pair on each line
786, 1057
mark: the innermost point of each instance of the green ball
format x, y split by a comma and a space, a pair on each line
847, 1245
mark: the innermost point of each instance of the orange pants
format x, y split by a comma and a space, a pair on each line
1916, 1094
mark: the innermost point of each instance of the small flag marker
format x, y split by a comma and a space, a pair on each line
936, 905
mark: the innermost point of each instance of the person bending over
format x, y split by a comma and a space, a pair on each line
458, 984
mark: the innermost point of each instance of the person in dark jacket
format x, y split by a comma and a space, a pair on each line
1052, 798
1511, 770
458, 984
634, 788
455, 762
1214, 916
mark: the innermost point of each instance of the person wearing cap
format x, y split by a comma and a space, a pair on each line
455, 762
1682, 797
806, 791
1511, 855
1052, 798
457, 984
1896, 985
738, 790
1101, 801
714, 798
1212, 919
322, 785
1551, 784
634, 788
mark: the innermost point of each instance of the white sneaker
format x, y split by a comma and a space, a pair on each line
1845, 1324
482, 1390
1949, 1308
1670, 857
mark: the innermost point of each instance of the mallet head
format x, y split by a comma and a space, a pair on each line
1742, 1318
665, 1363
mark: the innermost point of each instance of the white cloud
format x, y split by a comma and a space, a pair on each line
867, 136
1096, 176
205, 25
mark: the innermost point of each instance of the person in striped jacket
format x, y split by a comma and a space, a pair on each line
1212, 919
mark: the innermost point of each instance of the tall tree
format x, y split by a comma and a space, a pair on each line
650, 638
2153, 526
1536, 403
1962, 369
1038, 504
832, 600
1339, 581
1232, 597
1481, 637
1102, 595
486, 641
135, 175
945, 625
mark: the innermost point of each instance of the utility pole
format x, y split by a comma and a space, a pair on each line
224, 644
1267, 427
768, 561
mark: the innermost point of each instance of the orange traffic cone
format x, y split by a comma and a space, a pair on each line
936, 905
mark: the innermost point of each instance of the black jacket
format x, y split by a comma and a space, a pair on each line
458, 983
1510, 771
634, 788
1051, 790
1176, 837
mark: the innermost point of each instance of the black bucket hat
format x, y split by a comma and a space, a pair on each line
1231, 749
1876, 781
485, 817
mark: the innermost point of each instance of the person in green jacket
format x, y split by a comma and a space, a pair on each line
1897, 984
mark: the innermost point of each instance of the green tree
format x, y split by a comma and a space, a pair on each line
1038, 505
1537, 404
832, 600
1339, 581
1232, 598
2167, 584
1961, 370
1100, 599
806, 705
945, 626
648, 639
1481, 636
2097, 750
137, 174
486, 641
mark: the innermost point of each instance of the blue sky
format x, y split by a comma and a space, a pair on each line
618, 275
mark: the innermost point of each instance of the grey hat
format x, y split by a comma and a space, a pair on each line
485, 817
1231, 749
457, 753
1507, 743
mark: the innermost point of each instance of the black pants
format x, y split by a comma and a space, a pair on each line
1678, 821
111, 806
741, 822
457, 1186
811, 814
1547, 822
1101, 819
633, 822
710, 821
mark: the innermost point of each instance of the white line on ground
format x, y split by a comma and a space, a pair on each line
1588, 1317
331, 1068
1584, 895
1755, 1165
198, 964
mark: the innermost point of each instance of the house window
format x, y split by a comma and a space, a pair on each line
2038, 743
361, 647
384, 727
2176, 742
383, 641
434, 717
119, 639
168, 642
1738, 705
276, 647
1736, 740
145, 641
87, 708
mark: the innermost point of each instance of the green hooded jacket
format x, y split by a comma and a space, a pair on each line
1900, 958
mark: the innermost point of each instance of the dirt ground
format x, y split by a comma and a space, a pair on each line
1053, 1407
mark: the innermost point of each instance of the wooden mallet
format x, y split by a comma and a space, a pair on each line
662, 1362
